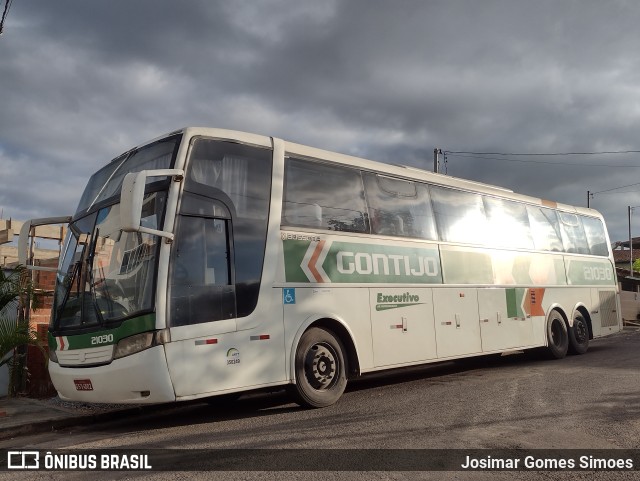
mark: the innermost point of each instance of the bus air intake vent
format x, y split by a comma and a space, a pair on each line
608, 314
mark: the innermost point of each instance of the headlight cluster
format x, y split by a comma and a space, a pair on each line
130, 345
139, 342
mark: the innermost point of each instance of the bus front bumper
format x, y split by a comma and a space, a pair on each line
139, 378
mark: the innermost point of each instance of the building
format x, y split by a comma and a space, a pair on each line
43, 282
628, 281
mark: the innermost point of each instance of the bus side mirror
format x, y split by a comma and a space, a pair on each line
29, 228
132, 198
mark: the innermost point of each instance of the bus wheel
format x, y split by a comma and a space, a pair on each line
579, 335
557, 336
320, 369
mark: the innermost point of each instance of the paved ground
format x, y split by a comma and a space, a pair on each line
581, 402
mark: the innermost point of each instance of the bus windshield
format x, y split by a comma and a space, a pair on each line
107, 182
106, 274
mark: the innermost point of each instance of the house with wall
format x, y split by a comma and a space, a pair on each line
44, 252
624, 254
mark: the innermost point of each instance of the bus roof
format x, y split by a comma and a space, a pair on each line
405, 171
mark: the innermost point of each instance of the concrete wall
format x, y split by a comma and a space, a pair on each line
630, 302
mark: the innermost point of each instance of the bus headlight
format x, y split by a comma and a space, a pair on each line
131, 345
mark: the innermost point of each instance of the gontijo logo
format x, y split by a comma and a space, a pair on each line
327, 261
394, 264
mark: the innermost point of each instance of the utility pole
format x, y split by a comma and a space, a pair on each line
436, 160
630, 245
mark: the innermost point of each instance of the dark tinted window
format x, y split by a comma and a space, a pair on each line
323, 197
234, 180
399, 207
107, 182
240, 172
201, 285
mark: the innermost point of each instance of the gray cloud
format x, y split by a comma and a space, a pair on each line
82, 82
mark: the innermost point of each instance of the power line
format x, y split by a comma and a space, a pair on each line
479, 155
616, 188
613, 193
605, 152
7, 6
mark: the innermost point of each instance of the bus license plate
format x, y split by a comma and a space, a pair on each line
83, 384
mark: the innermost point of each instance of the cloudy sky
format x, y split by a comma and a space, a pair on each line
81, 82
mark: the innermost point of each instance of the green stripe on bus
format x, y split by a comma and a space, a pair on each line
128, 328
294, 251
512, 303
329, 261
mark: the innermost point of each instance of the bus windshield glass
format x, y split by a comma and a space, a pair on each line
107, 182
106, 274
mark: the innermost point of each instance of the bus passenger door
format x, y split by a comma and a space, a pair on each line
456, 321
202, 306
402, 325
505, 318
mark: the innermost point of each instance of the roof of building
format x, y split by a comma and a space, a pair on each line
620, 256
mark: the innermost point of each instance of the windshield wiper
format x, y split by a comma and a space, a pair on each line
74, 275
92, 285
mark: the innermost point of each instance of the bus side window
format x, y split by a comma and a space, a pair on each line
460, 216
201, 287
321, 196
545, 229
596, 237
573, 236
399, 207
508, 224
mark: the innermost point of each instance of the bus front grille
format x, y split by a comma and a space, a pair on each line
86, 357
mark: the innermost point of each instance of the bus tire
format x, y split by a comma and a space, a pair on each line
579, 335
320, 369
557, 336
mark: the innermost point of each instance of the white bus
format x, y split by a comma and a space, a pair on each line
210, 262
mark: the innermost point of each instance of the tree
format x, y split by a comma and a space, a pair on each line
16, 291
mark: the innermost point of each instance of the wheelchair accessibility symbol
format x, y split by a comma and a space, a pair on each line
289, 296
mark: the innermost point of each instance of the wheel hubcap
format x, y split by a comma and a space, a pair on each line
321, 366
580, 330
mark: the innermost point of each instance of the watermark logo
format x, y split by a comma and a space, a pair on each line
81, 461
23, 460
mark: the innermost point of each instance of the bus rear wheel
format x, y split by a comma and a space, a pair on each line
579, 335
557, 336
320, 369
